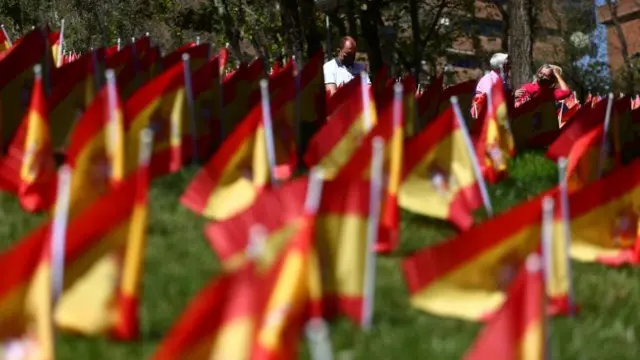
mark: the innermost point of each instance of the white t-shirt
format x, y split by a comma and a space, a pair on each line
340, 74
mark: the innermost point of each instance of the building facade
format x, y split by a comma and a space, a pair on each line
628, 17
484, 35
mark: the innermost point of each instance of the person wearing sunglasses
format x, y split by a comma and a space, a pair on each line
547, 78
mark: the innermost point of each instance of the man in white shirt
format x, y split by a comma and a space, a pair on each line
343, 68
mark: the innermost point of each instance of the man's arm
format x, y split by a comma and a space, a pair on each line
563, 90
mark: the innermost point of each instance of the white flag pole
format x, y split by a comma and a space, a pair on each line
372, 232
59, 54
113, 132
472, 154
547, 238
268, 128
566, 222
317, 329
118, 42
197, 40
368, 117
605, 145
6, 35
59, 231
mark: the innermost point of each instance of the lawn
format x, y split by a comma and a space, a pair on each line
179, 262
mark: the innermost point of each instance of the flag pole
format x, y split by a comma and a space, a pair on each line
268, 128
377, 161
197, 40
316, 329
113, 132
118, 44
191, 108
605, 145
564, 208
547, 259
472, 154
6, 35
59, 54
368, 117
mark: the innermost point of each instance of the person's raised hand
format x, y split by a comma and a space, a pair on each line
519, 92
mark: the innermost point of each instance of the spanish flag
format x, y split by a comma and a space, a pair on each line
340, 237
74, 88
96, 152
28, 170
219, 323
518, 329
25, 298
495, 146
38, 171
253, 312
55, 41
359, 164
105, 242
338, 139
428, 104
604, 218
16, 80
580, 124
288, 289
228, 238
198, 56
207, 104
438, 179
161, 105
584, 159
137, 73
237, 172
241, 93
535, 123
130, 53
465, 277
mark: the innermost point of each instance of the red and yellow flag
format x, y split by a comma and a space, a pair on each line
198, 56
25, 298
332, 146
517, 331
5, 43
105, 242
495, 146
161, 105
241, 92
219, 323
438, 179
16, 81
137, 73
29, 165
535, 123
604, 219
466, 277
237, 172
96, 152
74, 88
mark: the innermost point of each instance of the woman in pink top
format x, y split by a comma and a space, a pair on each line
548, 77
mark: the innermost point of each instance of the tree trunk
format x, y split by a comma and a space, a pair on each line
369, 31
351, 18
417, 40
231, 30
291, 28
520, 42
311, 33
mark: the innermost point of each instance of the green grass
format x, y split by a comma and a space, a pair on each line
179, 262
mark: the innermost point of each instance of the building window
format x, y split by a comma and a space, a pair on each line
464, 61
483, 27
